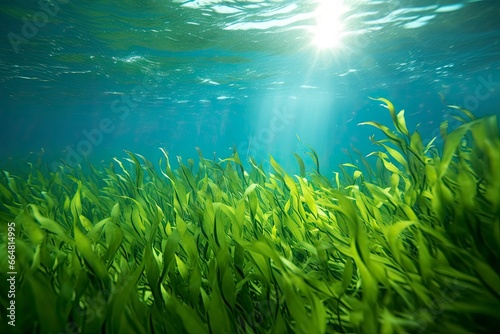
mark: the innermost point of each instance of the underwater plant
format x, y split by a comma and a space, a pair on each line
411, 245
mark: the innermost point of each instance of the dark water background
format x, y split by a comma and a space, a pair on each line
89, 79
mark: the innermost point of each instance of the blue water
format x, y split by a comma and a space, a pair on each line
85, 80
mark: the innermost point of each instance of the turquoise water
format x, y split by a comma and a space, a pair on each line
85, 80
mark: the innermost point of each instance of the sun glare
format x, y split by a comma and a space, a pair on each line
329, 25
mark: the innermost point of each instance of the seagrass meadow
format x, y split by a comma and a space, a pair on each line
408, 242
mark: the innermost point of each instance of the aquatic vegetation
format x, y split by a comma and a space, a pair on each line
410, 245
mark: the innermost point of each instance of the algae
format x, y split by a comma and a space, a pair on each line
410, 246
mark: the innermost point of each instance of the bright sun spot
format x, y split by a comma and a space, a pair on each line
329, 25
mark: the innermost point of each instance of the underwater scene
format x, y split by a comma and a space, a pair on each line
249, 166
